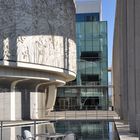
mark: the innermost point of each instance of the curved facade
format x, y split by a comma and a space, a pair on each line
38, 53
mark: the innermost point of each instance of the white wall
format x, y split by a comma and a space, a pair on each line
89, 6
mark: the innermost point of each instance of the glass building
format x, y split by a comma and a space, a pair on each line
90, 89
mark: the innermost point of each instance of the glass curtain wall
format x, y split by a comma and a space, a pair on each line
90, 89
92, 53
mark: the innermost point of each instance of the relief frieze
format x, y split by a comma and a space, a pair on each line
35, 31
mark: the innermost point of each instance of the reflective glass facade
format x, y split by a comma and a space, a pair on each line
90, 89
92, 53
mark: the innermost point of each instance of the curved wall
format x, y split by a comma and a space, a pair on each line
38, 54
38, 33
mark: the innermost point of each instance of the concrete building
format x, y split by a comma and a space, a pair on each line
90, 89
126, 65
37, 54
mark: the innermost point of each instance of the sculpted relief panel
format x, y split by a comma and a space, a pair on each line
46, 50
72, 55
34, 31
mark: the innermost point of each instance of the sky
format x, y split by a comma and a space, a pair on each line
108, 7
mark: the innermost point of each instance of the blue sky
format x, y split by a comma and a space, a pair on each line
108, 7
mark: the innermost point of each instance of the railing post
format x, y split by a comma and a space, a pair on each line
75, 113
54, 115
65, 113
86, 112
1, 129
35, 129
107, 114
96, 107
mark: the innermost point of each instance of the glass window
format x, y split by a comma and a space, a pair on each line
91, 56
94, 79
87, 17
88, 30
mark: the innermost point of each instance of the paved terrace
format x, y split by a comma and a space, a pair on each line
123, 131
69, 115
82, 115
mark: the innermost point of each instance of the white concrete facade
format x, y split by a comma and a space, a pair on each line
126, 66
89, 6
38, 54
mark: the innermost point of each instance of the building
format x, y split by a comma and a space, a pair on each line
126, 65
90, 89
37, 54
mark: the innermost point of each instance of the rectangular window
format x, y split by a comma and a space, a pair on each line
89, 18
86, 17
91, 79
91, 56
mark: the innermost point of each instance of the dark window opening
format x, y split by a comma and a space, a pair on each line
92, 103
91, 18
90, 79
86, 17
91, 56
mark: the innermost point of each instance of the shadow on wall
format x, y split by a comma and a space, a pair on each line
38, 32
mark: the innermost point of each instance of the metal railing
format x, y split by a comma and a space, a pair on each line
84, 113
